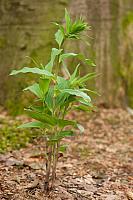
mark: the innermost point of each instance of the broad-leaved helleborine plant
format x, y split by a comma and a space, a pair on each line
56, 95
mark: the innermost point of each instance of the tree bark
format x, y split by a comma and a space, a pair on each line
110, 48
26, 29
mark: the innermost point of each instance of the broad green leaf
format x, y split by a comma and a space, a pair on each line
55, 52
62, 83
33, 70
44, 84
84, 102
78, 93
35, 124
40, 109
60, 135
68, 21
91, 91
35, 89
59, 36
62, 123
46, 118
63, 134
67, 55
83, 108
42, 117
60, 99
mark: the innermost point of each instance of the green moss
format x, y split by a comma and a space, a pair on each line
2, 42
127, 26
127, 20
123, 66
13, 138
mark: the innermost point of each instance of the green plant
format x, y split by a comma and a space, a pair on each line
56, 95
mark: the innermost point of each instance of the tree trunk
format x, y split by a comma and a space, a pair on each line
26, 30
111, 47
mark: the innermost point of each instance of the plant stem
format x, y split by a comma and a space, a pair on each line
48, 165
56, 151
58, 63
52, 150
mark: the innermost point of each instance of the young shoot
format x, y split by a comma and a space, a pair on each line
56, 95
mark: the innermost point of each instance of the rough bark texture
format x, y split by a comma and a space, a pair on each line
111, 46
25, 30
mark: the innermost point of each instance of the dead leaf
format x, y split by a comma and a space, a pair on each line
129, 195
32, 185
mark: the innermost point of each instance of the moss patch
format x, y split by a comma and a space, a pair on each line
2, 42
13, 138
127, 61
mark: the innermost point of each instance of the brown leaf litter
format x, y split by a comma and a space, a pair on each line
97, 165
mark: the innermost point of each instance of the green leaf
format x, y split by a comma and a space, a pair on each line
35, 89
90, 62
46, 118
62, 123
33, 125
80, 127
68, 21
84, 102
73, 76
62, 83
83, 108
44, 84
40, 109
91, 91
77, 93
33, 70
87, 77
67, 55
42, 117
49, 99
78, 26
55, 52
60, 135
60, 99
86, 60
59, 36
63, 134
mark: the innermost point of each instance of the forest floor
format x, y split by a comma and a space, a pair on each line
97, 164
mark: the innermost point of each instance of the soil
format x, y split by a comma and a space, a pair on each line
97, 164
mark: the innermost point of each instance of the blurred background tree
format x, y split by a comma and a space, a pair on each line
25, 31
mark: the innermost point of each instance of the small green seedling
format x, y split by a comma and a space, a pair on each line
56, 95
